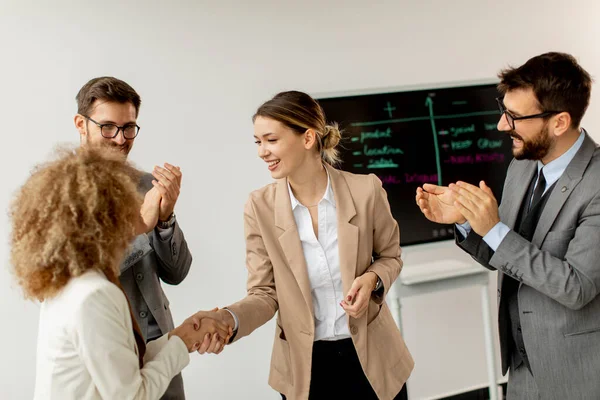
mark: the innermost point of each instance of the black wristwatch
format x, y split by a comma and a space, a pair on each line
168, 223
379, 284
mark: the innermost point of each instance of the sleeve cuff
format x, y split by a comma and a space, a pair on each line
464, 229
496, 235
235, 318
165, 234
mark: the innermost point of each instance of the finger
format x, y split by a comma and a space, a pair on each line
169, 182
353, 291
468, 203
213, 344
467, 213
219, 327
196, 321
205, 344
433, 189
160, 188
166, 183
172, 187
359, 302
170, 176
487, 189
474, 191
176, 171
421, 195
464, 194
166, 193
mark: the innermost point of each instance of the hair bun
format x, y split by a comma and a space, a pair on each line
331, 136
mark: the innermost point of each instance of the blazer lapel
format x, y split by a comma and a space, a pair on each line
564, 186
347, 233
513, 195
289, 239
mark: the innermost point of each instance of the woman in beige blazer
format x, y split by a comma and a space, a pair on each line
72, 222
322, 249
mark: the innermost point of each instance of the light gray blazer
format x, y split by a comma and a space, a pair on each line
559, 275
149, 261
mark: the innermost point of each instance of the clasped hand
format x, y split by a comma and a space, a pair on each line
460, 202
203, 331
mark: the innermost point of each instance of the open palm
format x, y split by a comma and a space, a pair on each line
437, 204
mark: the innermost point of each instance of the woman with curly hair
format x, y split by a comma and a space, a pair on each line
72, 222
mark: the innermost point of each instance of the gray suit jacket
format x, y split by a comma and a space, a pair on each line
559, 275
150, 260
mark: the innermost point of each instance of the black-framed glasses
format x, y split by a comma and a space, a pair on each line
511, 118
109, 131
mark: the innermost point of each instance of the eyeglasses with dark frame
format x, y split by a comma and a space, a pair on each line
109, 131
511, 118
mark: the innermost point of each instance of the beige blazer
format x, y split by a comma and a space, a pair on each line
368, 239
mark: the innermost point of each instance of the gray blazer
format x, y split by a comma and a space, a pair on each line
559, 276
150, 260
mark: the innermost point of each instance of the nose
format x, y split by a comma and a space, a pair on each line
262, 152
503, 124
120, 138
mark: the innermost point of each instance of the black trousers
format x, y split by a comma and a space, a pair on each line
336, 373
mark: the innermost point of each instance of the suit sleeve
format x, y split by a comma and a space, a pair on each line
260, 304
386, 242
173, 255
573, 280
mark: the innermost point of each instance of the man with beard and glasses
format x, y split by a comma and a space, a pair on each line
544, 238
107, 110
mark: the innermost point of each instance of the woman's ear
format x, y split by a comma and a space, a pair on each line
310, 139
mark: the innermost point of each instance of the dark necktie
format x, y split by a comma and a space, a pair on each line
539, 189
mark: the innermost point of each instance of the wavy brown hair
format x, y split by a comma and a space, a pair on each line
73, 214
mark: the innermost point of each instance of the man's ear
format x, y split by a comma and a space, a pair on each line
80, 124
561, 124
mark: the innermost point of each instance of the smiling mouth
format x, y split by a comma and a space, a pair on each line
273, 164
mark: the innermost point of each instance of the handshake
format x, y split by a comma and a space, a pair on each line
206, 331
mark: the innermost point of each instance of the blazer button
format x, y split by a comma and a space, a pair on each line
143, 314
353, 329
139, 276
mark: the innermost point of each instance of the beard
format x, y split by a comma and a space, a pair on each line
124, 149
534, 149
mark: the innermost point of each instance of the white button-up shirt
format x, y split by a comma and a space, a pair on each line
323, 263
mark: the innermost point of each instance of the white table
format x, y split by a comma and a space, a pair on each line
422, 277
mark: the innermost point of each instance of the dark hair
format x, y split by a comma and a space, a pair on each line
299, 112
106, 88
557, 80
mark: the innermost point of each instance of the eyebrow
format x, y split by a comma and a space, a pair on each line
265, 135
104, 122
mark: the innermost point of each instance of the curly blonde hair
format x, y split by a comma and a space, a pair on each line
73, 214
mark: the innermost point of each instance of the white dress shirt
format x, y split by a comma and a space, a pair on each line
323, 263
86, 348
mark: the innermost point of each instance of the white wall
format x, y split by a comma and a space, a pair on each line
202, 68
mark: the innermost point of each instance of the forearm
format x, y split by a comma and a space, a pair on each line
563, 280
252, 312
387, 269
474, 245
173, 255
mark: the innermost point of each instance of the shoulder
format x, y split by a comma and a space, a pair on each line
359, 183
92, 293
265, 195
145, 183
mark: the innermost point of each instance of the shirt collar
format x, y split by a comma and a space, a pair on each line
555, 168
328, 195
